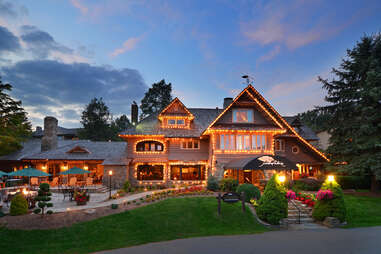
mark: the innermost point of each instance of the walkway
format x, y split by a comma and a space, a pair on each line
354, 241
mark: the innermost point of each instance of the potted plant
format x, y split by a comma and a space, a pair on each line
81, 197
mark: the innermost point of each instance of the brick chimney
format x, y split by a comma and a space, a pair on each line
134, 113
227, 101
49, 140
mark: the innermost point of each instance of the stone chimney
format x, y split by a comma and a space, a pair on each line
49, 140
227, 101
134, 113
39, 129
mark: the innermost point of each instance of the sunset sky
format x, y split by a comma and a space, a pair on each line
60, 54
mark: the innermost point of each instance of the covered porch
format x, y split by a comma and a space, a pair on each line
258, 170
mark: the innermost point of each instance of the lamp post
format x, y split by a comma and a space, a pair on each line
109, 181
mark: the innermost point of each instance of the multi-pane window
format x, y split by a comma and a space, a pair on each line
243, 142
243, 116
187, 172
279, 145
190, 144
174, 122
149, 146
150, 172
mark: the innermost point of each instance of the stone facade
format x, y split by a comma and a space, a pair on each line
49, 140
119, 175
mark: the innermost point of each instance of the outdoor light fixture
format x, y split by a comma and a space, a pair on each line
25, 192
281, 179
85, 167
331, 178
109, 180
110, 172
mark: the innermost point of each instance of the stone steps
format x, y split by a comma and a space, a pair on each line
293, 213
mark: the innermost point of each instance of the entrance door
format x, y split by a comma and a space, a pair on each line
247, 176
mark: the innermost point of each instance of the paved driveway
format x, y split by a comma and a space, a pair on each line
341, 241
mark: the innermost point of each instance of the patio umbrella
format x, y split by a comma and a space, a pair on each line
3, 173
29, 172
75, 171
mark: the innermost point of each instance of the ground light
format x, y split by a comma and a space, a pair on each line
281, 179
331, 178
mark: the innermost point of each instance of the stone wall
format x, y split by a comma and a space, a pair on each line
118, 178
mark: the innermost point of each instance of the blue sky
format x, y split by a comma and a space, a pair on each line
66, 52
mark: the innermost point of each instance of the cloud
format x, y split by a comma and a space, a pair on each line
128, 45
290, 25
80, 6
8, 41
270, 55
7, 9
41, 43
50, 86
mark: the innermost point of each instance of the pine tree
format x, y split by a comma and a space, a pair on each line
355, 104
14, 124
156, 98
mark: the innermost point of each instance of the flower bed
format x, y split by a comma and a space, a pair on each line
307, 199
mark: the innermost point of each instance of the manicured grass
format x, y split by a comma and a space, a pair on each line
363, 211
166, 220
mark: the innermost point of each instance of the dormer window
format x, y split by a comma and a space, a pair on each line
243, 116
149, 146
174, 122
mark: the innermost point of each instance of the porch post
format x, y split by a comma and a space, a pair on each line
181, 173
238, 175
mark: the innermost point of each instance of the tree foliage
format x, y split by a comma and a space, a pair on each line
317, 119
156, 98
98, 124
354, 95
14, 124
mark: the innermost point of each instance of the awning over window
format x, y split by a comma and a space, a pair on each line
261, 163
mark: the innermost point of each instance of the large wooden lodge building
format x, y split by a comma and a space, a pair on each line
247, 139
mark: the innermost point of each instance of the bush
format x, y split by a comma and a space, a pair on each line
250, 191
37, 210
126, 186
49, 212
307, 184
114, 206
212, 183
273, 205
333, 207
353, 182
228, 184
19, 205
43, 198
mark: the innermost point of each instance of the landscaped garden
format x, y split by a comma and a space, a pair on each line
363, 211
165, 220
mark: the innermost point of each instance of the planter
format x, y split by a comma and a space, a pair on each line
82, 202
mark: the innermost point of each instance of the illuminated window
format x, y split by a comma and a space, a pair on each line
239, 143
190, 144
171, 121
149, 146
246, 142
150, 172
180, 122
243, 116
279, 145
176, 122
264, 145
188, 172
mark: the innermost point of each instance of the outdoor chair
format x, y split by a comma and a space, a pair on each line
89, 181
54, 182
34, 181
73, 181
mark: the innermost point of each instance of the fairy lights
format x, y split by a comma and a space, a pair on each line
165, 173
161, 141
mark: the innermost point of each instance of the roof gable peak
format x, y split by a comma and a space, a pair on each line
176, 108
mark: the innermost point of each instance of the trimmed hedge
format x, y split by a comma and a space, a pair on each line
228, 184
333, 207
273, 205
212, 184
250, 191
19, 205
307, 184
354, 182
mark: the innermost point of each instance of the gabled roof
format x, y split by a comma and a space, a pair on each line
303, 130
61, 131
175, 101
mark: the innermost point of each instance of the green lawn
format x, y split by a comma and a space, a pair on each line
363, 211
165, 220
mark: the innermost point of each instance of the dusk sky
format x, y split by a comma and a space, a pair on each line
60, 54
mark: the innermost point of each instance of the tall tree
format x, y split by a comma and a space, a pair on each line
355, 104
14, 124
317, 119
96, 120
122, 123
156, 98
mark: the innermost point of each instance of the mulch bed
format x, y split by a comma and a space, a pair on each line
65, 219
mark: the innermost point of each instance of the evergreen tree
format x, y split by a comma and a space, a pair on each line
355, 104
96, 120
317, 119
156, 98
122, 123
14, 124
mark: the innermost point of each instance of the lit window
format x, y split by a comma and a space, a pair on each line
180, 122
264, 142
242, 115
246, 142
149, 146
171, 121
150, 172
192, 144
222, 142
239, 142
279, 145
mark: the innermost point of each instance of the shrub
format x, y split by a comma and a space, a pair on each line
212, 183
307, 184
334, 207
19, 205
228, 184
126, 186
43, 197
273, 206
37, 210
354, 182
114, 206
251, 192
49, 212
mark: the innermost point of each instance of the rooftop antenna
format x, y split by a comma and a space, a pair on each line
249, 79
